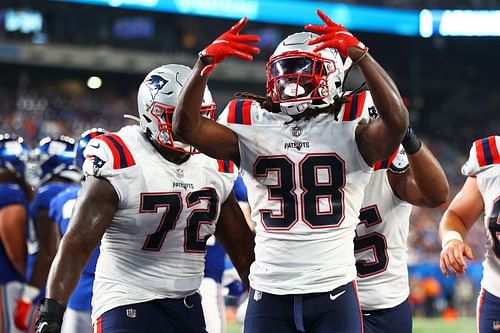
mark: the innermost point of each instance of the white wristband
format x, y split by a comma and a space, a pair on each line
29, 293
449, 236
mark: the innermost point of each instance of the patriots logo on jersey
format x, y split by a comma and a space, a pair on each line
155, 83
372, 112
296, 144
98, 163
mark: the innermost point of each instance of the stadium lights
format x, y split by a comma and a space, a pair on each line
94, 82
464, 23
424, 23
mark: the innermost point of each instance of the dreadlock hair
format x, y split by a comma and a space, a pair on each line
334, 108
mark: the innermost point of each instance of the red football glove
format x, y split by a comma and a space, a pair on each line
23, 306
22, 314
230, 43
333, 35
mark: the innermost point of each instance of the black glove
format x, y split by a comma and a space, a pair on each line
411, 143
51, 316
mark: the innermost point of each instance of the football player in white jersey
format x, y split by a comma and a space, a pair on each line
479, 194
304, 167
412, 176
154, 203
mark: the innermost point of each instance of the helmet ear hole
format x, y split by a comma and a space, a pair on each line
146, 118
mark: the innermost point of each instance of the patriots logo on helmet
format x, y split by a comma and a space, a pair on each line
155, 83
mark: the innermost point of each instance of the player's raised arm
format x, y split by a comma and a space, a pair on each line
382, 137
209, 137
425, 183
94, 209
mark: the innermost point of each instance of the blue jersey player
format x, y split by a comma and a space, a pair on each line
13, 217
78, 315
215, 264
54, 158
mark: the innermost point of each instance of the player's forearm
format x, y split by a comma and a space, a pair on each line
385, 95
66, 269
452, 222
429, 177
187, 118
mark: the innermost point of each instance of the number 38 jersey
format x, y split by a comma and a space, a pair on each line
484, 164
305, 183
156, 243
381, 246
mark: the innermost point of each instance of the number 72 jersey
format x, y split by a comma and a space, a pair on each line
156, 243
484, 164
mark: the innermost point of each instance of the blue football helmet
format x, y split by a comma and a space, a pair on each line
83, 142
13, 154
55, 157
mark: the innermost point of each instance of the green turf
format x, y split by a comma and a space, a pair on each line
463, 325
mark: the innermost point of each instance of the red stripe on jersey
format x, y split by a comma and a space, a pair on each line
481, 157
231, 117
128, 155
384, 164
114, 151
392, 157
347, 108
494, 150
225, 166
122, 158
361, 104
247, 107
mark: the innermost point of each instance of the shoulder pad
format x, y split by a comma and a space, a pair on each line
483, 154
239, 111
106, 152
359, 106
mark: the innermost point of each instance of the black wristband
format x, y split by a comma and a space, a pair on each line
52, 308
411, 143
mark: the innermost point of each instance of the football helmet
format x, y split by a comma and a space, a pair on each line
83, 142
13, 154
299, 78
54, 157
156, 100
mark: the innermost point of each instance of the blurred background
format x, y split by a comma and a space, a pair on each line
66, 66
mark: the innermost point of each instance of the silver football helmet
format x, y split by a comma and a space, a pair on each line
299, 78
157, 98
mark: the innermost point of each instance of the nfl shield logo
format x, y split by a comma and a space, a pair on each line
496, 325
179, 173
131, 313
296, 131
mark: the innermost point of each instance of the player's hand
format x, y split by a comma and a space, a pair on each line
230, 43
51, 316
24, 304
453, 257
22, 313
336, 36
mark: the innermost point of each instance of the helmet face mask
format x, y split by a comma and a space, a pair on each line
299, 78
157, 98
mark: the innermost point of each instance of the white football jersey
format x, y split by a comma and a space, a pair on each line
305, 183
484, 164
381, 245
155, 245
